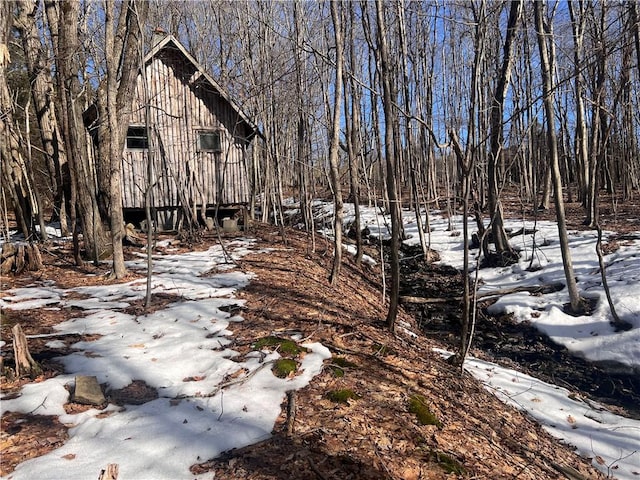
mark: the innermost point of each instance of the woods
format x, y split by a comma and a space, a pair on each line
397, 104
430, 192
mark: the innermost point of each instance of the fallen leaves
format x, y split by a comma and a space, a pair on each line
24, 436
374, 437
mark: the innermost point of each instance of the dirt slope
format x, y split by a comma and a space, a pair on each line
374, 435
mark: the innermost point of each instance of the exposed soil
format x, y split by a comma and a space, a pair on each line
517, 345
500, 339
375, 434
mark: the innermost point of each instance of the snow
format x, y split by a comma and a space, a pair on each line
591, 337
180, 350
184, 351
612, 441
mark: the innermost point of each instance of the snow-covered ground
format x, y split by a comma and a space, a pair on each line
181, 351
592, 336
613, 442
171, 350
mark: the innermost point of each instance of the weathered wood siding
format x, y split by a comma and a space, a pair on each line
182, 104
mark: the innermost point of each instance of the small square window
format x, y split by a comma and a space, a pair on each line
137, 137
209, 141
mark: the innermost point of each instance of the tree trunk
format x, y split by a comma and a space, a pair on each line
122, 44
597, 137
302, 152
53, 13
353, 136
545, 37
71, 92
409, 136
505, 253
41, 93
115, 145
582, 157
391, 181
16, 180
337, 19
466, 164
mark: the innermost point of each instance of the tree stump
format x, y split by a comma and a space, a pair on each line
109, 473
16, 257
8, 257
25, 364
33, 258
19, 259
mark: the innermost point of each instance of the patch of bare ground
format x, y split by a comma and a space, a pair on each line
374, 434
616, 213
25, 436
375, 431
520, 345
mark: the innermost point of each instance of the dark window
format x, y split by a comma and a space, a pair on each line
209, 141
137, 138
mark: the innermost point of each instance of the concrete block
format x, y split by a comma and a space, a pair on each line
88, 391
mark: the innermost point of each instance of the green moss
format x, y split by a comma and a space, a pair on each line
283, 367
343, 362
343, 395
283, 345
382, 350
448, 463
418, 406
338, 364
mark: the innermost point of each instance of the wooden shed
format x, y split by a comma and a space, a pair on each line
196, 136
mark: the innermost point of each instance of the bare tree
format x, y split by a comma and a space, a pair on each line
391, 181
42, 93
122, 44
64, 19
352, 124
338, 24
578, 21
16, 178
302, 159
544, 32
466, 160
504, 251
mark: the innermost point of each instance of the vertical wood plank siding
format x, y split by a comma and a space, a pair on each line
180, 109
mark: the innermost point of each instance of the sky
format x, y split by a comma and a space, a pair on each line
184, 351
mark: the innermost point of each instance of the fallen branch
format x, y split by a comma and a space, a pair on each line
222, 386
55, 334
291, 412
534, 289
568, 471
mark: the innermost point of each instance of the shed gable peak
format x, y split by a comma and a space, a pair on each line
171, 42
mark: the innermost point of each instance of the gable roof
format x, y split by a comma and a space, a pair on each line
172, 42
